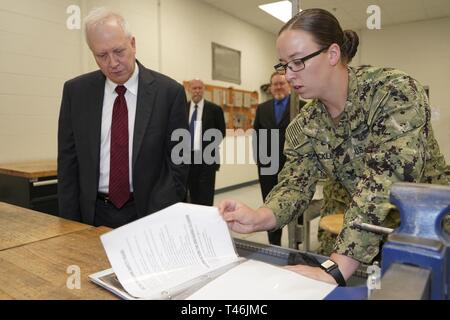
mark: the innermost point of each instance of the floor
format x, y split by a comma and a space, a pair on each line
251, 196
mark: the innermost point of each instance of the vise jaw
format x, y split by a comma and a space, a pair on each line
420, 241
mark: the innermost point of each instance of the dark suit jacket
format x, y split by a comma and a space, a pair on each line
212, 118
157, 181
265, 119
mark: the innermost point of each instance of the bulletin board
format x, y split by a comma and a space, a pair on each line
239, 106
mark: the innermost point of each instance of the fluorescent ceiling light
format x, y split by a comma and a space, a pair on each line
282, 10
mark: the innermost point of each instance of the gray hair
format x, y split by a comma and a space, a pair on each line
102, 15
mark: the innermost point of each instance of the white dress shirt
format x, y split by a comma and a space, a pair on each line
105, 143
198, 124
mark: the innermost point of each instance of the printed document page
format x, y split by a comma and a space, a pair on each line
255, 280
163, 250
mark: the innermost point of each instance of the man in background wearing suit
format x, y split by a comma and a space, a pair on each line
204, 116
114, 136
273, 115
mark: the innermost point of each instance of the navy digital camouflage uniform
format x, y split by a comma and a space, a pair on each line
384, 136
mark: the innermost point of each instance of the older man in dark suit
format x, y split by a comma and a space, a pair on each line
114, 138
205, 119
274, 116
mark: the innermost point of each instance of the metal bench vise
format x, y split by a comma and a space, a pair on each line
416, 258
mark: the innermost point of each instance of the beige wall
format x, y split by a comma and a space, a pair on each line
37, 54
421, 49
238, 165
189, 27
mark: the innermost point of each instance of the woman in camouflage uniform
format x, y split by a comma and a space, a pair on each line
366, 128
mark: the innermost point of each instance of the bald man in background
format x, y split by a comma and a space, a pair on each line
203, 116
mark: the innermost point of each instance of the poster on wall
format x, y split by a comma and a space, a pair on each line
226, 64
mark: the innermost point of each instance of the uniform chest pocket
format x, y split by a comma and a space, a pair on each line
351, 166
351, 162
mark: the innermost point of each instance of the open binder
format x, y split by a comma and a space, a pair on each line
186, 252
108, 280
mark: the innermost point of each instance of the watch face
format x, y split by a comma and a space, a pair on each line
328, 264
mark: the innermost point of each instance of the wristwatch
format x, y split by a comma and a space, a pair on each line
332, 269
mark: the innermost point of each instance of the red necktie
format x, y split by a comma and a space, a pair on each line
119, 183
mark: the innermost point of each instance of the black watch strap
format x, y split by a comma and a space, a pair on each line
337, 275
332, 269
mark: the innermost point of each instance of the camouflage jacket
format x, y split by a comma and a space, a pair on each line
384, 136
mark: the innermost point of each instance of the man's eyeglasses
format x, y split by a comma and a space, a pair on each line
298, 64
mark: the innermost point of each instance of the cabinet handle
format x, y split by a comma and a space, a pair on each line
45, 183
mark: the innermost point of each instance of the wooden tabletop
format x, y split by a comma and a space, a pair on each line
43, 270
332, 223
30, 169
20, 226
